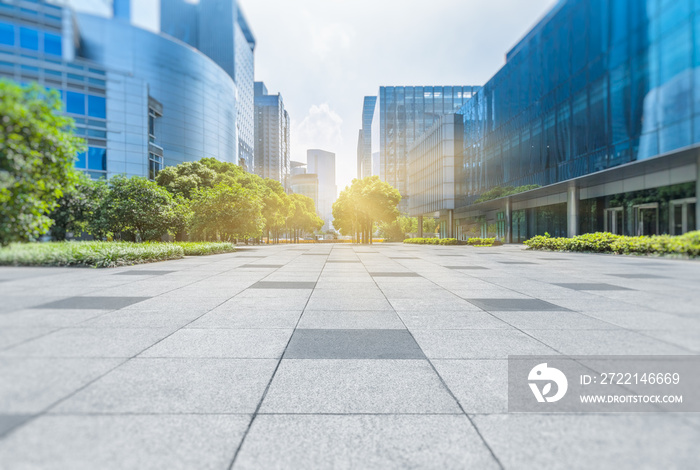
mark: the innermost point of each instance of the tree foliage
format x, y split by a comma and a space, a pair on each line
77, 207
303, 216
226, 211
37, 151
363, 204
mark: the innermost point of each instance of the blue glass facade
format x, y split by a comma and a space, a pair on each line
403, 114
364, 145
594, 85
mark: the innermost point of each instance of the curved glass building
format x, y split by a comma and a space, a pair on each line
141, 99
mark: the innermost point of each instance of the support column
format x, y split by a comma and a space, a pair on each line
450, 223
508, 211
572, 211
420, 226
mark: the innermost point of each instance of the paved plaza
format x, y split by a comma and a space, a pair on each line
333, 356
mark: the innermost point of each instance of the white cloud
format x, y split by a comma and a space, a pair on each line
327, 38
321, 128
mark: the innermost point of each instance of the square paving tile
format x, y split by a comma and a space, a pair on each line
282, 285
357, 386
176, 385
125, 442
93, 303
305, 441
261, 266
343, 261
638, 276
350, 319
143, 272
251, 256
502, 305
481, 385
403, 257
232, 343
591, 286
478, 344
465, 267
353, 344
516, 262
9, 422
397, 274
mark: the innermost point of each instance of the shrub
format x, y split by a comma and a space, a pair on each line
205, 248
481, 241
431, 241
603, 242
97, 254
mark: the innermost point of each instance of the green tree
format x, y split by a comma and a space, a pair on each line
302, 216
77, 207
276, 205
138, 208
185, 178
226, 211
37, 154
363, 204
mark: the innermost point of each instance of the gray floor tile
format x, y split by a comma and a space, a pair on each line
143, 272
261, 266
619, 441
31, 385
343, 261
498, 305
282, 285
10, 422
465, 267
591, 286
553, 320
516, 262
450, 319
357, 386
104, 303
125, 442
638, 276
477, 344
350, 319
155, 385
353, 344
481, 386
604, 342
369, 442
394, 274
248, 318
222, 343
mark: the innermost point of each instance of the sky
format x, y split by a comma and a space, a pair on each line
324, 56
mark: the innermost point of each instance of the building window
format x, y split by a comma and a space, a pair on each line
97, 159
155, 164
52, 44
29, 39
97, 107
151, 125
7, 34
75, 102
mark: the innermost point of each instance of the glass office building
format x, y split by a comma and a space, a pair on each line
403, 114
272, 149
364, 142
600, 105
142, 100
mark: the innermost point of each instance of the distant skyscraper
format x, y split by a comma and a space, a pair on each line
364, 144
301, 182
271, 136
322, 163
403, 114
219, 29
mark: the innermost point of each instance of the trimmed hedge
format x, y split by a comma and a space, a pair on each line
205, 248
102, 254
431, 241
604, 242
481, 241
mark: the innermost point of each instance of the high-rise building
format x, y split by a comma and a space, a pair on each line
219, 29
301, 182
403, 114
598, 104
140, 99
364, 144
272, 149
322, 163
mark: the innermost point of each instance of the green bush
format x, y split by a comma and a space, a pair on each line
481, 241
431, 241
205, 248
603, 242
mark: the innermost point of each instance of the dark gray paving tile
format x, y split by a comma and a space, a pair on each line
516, 262
353, 344
9, 422
143, 272
591, 286
514, 304
261, 266
103, 303
638, 276
282, 285
400, 274
465, 267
